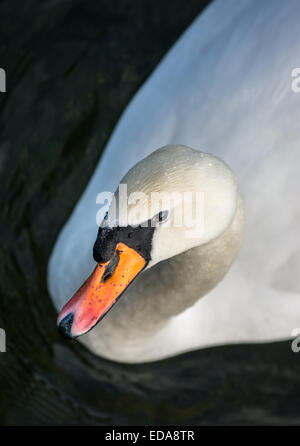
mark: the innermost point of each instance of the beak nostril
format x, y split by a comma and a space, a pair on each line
109, 270
65, 326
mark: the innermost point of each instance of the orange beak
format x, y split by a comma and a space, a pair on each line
99, 292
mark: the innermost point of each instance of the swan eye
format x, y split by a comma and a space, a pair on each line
159, 218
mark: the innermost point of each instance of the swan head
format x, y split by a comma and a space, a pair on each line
174, 200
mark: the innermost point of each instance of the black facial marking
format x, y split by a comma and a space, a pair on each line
136, 237
105, 244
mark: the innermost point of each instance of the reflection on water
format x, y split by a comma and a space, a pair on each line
69, 75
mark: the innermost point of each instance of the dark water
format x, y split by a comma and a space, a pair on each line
71, 69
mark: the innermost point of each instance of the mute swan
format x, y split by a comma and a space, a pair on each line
224, 87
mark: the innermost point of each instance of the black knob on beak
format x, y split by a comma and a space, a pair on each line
65, 326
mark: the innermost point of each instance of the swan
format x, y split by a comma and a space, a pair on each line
223, 92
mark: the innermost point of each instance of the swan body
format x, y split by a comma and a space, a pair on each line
224, 88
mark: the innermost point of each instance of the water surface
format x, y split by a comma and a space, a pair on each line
71, 69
